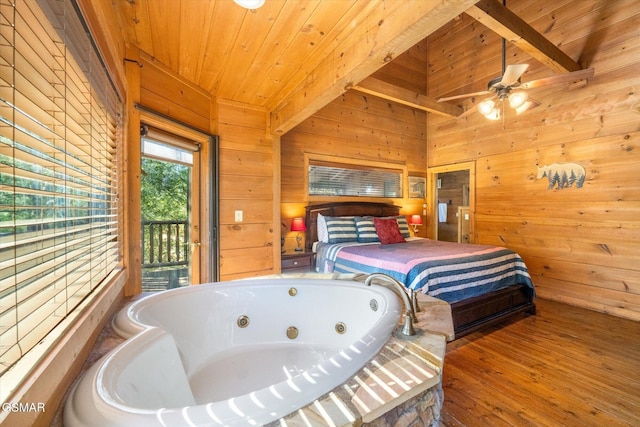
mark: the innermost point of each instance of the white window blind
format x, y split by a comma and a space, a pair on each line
59, 135
353, 180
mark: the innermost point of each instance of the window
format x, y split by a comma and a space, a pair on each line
330, 179
59, 142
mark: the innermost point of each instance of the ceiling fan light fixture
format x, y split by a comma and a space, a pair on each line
524, 107
518, 99
494, 114
486, 107
250, 4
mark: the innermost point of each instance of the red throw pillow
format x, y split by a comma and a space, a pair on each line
388, 231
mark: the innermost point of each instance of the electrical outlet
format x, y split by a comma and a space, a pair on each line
238, 216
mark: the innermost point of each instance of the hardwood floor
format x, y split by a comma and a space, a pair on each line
565, 366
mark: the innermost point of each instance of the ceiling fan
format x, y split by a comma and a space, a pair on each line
508, 87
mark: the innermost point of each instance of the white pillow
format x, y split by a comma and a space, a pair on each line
323, 233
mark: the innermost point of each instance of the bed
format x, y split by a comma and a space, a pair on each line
483, 284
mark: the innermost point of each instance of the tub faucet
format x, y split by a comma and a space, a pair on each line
407, 298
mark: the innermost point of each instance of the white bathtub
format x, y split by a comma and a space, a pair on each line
227, 353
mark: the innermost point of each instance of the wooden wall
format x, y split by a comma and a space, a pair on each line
580, 244
248, 159
246, 164
360, 128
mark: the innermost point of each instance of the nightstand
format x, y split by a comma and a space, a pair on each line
296, 261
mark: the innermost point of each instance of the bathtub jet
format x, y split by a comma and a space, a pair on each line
236, 353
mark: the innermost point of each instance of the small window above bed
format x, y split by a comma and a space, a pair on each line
334, 179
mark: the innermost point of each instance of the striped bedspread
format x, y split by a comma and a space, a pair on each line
445, 270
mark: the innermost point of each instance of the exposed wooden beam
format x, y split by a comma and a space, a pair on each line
391, 29
387, 91
493, 15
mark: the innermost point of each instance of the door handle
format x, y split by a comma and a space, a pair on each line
196, 243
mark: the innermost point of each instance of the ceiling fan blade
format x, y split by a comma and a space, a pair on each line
513, 73
466, 95
560, 78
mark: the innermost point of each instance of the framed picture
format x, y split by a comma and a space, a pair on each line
417, 187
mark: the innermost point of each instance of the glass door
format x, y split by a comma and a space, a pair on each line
170, 203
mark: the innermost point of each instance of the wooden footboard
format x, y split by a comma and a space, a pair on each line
474, 313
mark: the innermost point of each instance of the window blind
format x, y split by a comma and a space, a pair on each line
59, 145
353, 180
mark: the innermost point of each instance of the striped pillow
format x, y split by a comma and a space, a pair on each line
366, 229
341, 229
403, 225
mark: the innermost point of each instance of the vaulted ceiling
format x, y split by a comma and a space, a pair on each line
292, 57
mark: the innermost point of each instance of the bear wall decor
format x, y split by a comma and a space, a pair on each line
562, 175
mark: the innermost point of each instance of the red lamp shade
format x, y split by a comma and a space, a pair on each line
297, 224
415, 220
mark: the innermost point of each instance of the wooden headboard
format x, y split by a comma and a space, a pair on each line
343, 209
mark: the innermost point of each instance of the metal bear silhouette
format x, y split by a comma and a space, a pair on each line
563, 175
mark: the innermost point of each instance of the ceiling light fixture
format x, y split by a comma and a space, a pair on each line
250, 4
494, 114
486, 106
517, 99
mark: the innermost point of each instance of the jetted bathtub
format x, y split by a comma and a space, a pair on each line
233, 353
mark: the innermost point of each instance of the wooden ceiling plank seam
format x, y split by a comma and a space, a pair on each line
165, 18
476, 44
219, 44
359, 56
542, 11
333, 37
513, 28
207, 35
230, 57
192, 39
280, 36
136, 15
562, 15
568, 30
252, 35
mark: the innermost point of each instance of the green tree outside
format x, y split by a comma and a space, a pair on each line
164, 191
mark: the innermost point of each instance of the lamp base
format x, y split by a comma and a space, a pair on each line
298, 249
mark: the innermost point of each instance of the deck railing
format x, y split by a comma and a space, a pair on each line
165, 244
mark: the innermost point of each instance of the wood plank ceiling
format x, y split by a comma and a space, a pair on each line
292, 57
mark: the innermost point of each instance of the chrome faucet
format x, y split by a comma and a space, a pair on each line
407, 298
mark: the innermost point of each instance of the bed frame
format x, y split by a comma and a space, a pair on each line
468, 315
